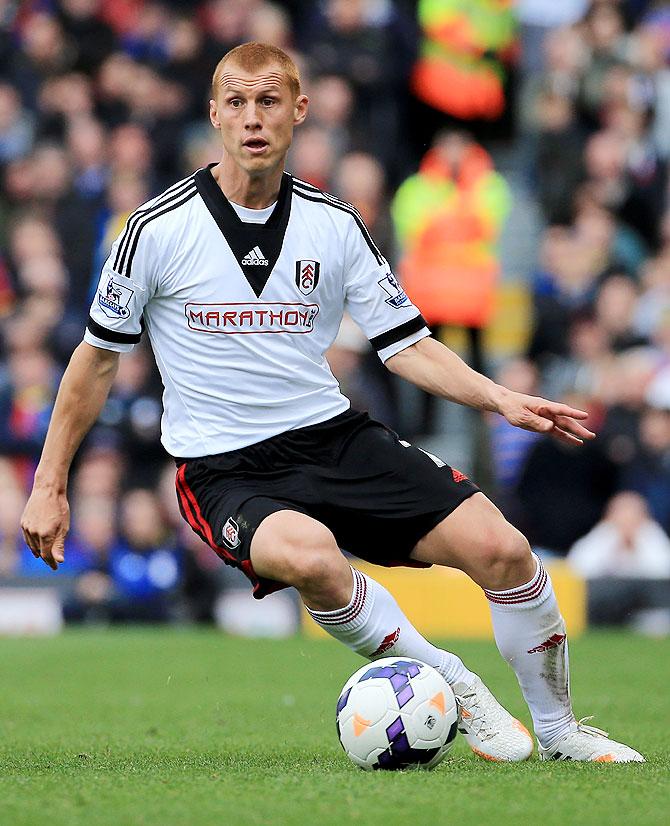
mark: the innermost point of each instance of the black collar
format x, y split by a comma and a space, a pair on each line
246, 240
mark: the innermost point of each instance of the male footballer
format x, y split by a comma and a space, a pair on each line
240, 275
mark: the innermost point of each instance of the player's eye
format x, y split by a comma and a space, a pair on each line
268, 101
236, 103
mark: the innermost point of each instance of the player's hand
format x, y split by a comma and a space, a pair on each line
45, 523
542, 416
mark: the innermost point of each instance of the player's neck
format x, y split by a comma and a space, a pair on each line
253, 192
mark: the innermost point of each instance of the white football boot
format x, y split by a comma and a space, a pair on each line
589, 744
490, 730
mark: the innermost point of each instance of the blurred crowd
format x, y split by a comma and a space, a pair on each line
104, 104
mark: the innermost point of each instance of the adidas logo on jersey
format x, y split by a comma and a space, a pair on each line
255, 258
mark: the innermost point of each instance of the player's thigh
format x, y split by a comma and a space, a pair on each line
477, 539
292, 547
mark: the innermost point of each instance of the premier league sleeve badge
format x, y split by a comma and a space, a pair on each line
115, 297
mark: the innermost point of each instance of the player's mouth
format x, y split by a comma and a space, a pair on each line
256, 145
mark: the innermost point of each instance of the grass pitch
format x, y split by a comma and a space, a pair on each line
149, 727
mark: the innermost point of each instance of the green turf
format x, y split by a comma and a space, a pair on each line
191, 727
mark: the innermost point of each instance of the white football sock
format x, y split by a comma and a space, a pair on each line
374, 626
530, 634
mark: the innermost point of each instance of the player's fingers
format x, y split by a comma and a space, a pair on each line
566, 423
50, 561
558, 409
537, 423
58, 548
45, 552
566, 437
32, 542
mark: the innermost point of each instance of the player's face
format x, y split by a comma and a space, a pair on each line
256, 113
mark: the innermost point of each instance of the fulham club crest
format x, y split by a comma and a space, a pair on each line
307, 275
231, 533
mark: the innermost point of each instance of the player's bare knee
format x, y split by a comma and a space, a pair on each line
508, 560
316, 565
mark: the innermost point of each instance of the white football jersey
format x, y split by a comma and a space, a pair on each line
239, 315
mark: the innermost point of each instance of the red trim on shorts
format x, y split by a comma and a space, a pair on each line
186, 511
261, 587
194, 515
196, 520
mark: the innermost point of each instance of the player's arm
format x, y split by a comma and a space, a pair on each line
83, 391
438, 370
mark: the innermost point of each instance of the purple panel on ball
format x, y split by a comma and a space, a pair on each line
400, 745
341, 703
386, 761
398, 681
380, 671
405, 695
399, 755
395, 729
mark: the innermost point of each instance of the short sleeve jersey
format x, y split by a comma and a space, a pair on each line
240, 315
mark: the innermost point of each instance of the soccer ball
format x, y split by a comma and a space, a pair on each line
396, 713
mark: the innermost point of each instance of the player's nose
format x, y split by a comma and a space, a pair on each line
252, 116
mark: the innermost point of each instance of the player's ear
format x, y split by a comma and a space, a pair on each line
213, 115
300, 109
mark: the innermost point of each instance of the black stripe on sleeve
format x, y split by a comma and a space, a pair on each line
322, 199
113, 336
169, 195
343, 204
126, 262
398, 333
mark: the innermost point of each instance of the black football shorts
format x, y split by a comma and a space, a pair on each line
377, 494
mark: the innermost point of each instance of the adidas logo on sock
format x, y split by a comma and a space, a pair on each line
255, 258
553, 642
388, 642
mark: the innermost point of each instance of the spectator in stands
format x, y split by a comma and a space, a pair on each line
604, 29
331, 101
563, 286
100, 470
562, 492
312, 157
144, 565
448, 218
615, 312
649, 471
510, 446
132, 412
16, 126
374, 49
12, 502
626, 544
559, 164
360, 180
27, 392
626, 560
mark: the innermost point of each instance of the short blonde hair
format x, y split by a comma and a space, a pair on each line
253, 56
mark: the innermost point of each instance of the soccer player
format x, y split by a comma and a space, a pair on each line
240, 274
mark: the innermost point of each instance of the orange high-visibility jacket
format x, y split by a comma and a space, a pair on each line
448, 223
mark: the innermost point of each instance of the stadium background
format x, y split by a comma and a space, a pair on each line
528, 142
